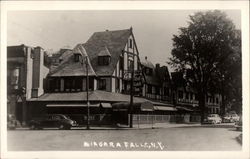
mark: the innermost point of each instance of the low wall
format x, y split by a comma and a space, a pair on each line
151, 118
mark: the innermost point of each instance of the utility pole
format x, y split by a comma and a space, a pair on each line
87, 90
131, 96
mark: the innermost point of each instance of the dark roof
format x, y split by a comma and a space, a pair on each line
97, 96
16, 51
114, 41
68, 66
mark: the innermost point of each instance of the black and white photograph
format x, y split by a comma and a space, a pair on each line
128, 80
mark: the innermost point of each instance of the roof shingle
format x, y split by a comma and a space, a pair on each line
114, 41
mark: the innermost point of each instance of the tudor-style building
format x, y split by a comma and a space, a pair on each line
185, 96
108, 59
111, 57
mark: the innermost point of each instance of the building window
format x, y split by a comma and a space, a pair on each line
217, 100
130, 43
78, 84
54, 84
117, 84
102, 84
77, 57
67, 83
15, 78
91, 83
180, 94
103, 60
148, 71
149, 89
130, 64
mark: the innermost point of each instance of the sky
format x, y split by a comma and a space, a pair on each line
52, 30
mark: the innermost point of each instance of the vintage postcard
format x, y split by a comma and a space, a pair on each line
130, 79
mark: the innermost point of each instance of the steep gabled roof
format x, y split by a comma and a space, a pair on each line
68, 67
113, 41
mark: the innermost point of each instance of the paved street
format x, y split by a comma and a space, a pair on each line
183, 138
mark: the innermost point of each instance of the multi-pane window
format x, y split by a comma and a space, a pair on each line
102, 84
67, 84
103, 60
54, 84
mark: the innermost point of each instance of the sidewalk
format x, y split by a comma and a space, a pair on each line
146, 126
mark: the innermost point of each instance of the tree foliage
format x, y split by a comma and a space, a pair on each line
205, 47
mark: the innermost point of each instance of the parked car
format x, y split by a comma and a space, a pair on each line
11, 122
238, 124
213, 119
54, 120
231, 118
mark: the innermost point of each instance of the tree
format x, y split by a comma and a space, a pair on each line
203, 47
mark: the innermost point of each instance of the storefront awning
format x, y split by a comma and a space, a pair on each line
106, 105
72, 105
147, 106
184, 108
163, 108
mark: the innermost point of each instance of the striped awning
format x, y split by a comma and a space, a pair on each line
147, 106
106, 105
163, 108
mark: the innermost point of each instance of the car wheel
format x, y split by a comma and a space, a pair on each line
61, 127
68, 127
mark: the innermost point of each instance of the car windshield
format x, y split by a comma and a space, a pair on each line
64, 117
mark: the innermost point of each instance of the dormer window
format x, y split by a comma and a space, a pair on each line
103, 60
104, 57
77, 57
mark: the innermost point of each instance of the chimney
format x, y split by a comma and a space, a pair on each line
37, 72
146, 57
157, 65
107, 30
